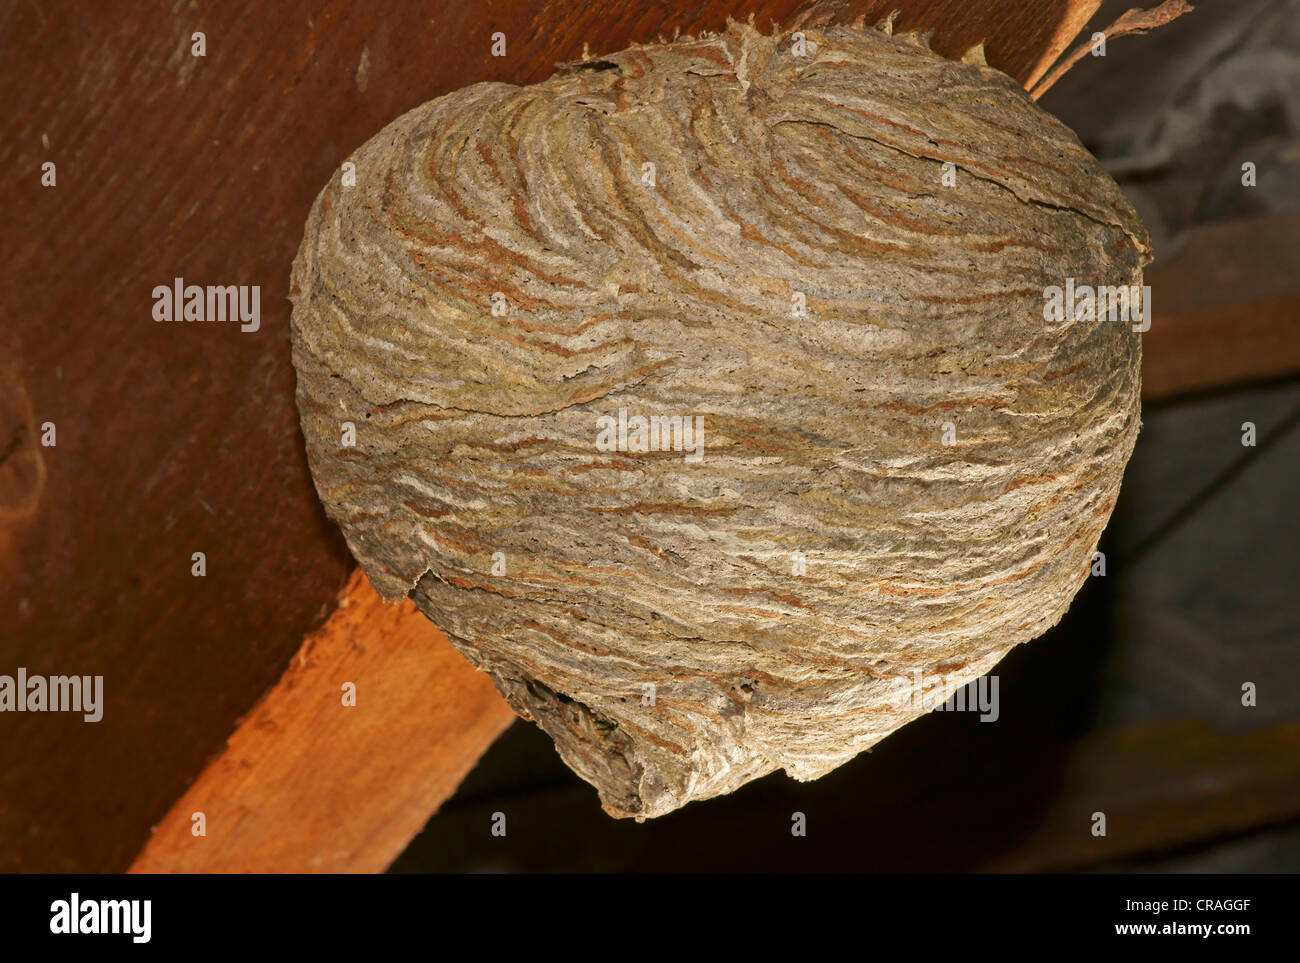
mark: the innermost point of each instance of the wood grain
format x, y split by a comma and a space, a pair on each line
308, 784
1227, 307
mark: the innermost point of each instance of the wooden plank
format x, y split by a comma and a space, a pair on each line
1227, 307
175, 439
1161, 786
308, 784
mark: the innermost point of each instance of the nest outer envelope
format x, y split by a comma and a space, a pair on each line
824, 434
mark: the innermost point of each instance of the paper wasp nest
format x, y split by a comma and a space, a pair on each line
696, 400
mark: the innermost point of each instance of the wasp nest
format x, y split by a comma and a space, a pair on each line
704, 394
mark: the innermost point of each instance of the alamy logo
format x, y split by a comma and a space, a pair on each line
656, 433
58, 693
190, 302
925, 694
1086, 303
131, 916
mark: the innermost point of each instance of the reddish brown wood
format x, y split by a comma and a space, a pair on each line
1227, 307
308, 784
1075, 16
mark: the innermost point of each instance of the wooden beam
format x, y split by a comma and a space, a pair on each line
1161, 786
1226, 307
310, 784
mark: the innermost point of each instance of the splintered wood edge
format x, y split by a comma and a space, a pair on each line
302, 787
1076, 16
1133, 21
308, 784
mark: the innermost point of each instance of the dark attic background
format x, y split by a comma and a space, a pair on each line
1132, 705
